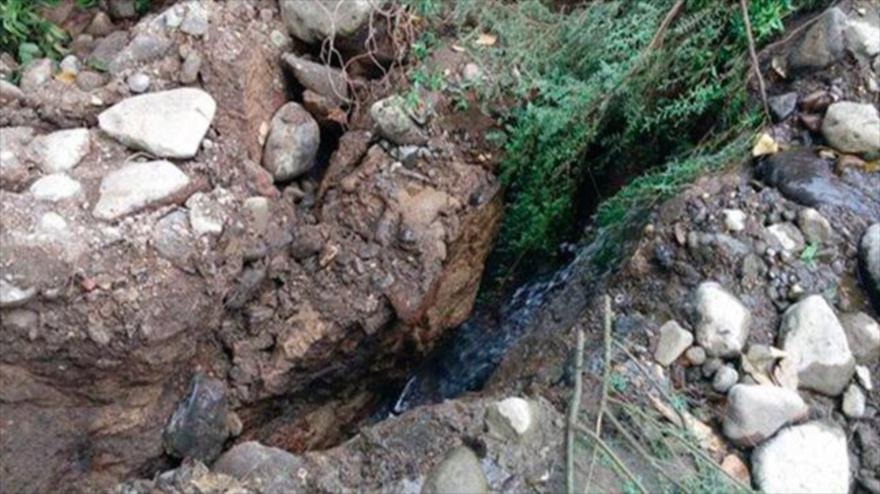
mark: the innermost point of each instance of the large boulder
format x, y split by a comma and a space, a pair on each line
808, 458
814, 338
294, 138
869, 263
167, 124
721, 322
756, 412
852, 127
316, 20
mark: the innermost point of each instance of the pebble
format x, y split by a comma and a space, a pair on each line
756, 412
205, 215
195, 21
70, 64
724, 379
198, 428
89, 80
55, 187
734, 219
863, 376
138, 82
696, 355
13, 296
814, 226
786, 236
511, 418
853, 405
189, 71
711, 366
852, 127
394, 122
35, 74
62, 150
674, 340
136, 186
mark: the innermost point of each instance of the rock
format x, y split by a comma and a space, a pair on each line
472, 73
292, 143
734, 220
55, 187
511, 418
459, 472
138, 82
756, 412
14, 142
122, 9
816, 341
107, 49
168, 124
816, 229
143, 48
189, 71
783, 105
862, 37
804, 177
822, 44
13, 296
673, 341
863, 377
195, 21
724, 379
696, 355
9, 91
88, 80
394, 122
70, 64
852, 127
863, 336
785, 237
101, 25
722, 321
174, 241
319, 19
205, 214
197, 429
808, 458
869, 263
734, 466
711, 366
269, 468
765, 145
853, 402
35, 74
258, 208
136, 186
322, 79
61, 151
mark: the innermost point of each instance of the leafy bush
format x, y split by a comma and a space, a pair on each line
25, 33
598, 99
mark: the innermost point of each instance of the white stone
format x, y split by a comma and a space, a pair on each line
52, 224
756, 412
853, 405
11, 295
862, 37
863, 376
195, 22
734, 220
722, 321
816, 341
139, 82
512, 414
70, 64
863, 336
787, 236
724, 379
258, 207
674, 340
35, 74
852, 127
816, 229
61, 151
205, 215
168, 124
805, 459
292, 144
55, 187
136, 186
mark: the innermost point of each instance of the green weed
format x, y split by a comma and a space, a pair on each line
25, 34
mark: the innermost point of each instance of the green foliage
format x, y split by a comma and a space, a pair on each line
809, 253
25, 33
598, 100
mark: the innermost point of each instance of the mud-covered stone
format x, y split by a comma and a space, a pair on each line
813, 336
198, 427
811, 458
756, 412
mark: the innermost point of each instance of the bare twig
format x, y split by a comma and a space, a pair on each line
606, 374
573, 409
657, 40
756, 65
641, 450
614, 458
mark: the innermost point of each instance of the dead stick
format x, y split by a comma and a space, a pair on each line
657, 40
744, 6
606, 375
573, 412
621, 466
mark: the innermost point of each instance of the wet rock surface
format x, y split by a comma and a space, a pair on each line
198, 427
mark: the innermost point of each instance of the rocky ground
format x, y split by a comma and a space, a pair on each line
215, 251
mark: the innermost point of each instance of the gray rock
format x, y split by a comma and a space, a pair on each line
853, 405
711, 366
13, 296
696, 355
808, 459
863, 336
55, 187
9, 91
804, 177
852, 127
89, 80
206, 216
169, 124
756, 412
863, 37
722, 321
138, 82
272, 469
816, 229
35, 74
258, 207
101, 25
783, 105
292, 143
107, 49
144, 48
869, 263
512, 418
724, 379
816, 341
674, 340
174, 241
61, 151
70, 64
192, 64
195, 21
459, 472
197, 429
394, 122
322, 79
319, 19
136, 186
122, 9
14, 156
822, 44
863, 377
785, 237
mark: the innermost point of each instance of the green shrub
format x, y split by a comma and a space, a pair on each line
25, 34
